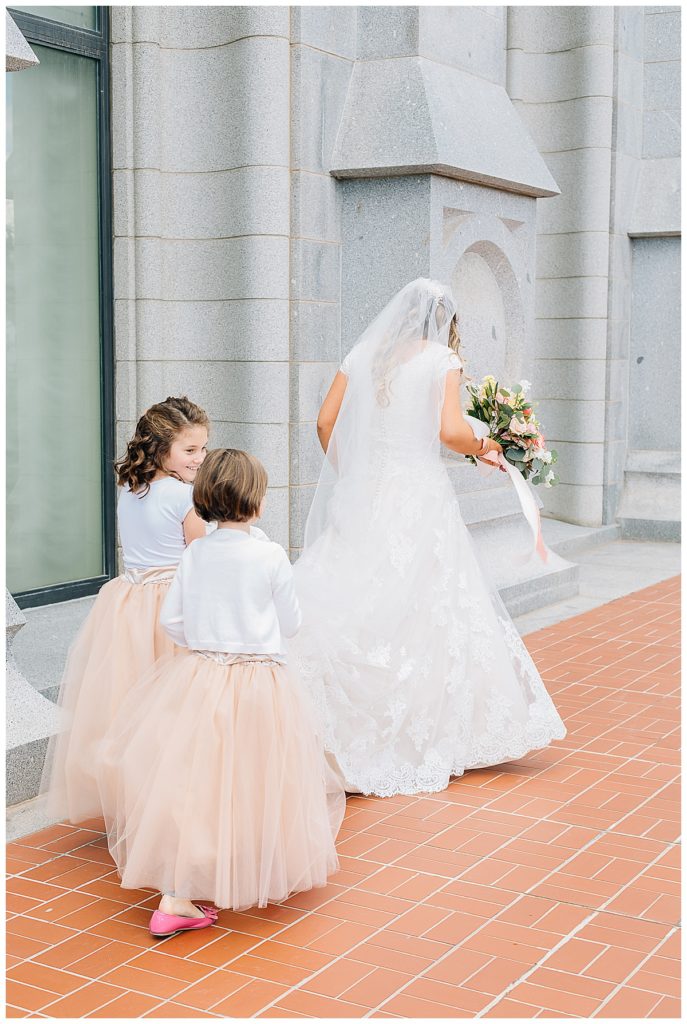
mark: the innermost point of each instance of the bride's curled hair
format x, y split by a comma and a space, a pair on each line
454, 342
424, 311
156, 431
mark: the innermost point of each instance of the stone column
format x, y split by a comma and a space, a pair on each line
323, 47
560, 77
200, 116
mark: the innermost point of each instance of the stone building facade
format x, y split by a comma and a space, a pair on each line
599, 89
279, 172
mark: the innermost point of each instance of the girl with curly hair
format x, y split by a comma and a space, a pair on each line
122, 637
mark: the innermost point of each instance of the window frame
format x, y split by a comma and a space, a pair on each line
93, 44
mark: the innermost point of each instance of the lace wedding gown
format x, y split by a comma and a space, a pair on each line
411, 659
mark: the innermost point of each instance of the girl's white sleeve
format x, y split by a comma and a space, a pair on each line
183, 501
172, 611
284, 596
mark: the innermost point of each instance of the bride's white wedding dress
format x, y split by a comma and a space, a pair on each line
410, 656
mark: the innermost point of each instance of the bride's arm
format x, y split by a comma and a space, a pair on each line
330, 409
455, 432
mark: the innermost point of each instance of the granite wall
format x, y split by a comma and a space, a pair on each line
599, 90
323, 52
265, 160
650, 497
280, 172
201, 185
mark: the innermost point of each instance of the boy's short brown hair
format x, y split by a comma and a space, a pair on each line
229, 486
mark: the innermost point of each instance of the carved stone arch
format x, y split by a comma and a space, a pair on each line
486, 267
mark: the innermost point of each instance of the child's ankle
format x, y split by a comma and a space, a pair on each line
170, 904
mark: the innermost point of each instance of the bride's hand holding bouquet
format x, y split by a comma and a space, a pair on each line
489, 447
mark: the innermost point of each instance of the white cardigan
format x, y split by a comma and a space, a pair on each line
233, 592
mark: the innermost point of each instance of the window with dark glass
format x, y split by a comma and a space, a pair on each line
60, 537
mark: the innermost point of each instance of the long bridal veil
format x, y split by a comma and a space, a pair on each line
416, 317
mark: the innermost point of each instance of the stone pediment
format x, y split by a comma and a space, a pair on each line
410, 115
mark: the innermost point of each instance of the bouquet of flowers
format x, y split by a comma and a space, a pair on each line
511, 421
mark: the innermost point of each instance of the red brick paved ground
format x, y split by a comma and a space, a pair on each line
545, 887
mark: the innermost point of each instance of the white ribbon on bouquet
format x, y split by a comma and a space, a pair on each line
522, 489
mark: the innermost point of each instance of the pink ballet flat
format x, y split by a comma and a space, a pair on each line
163, 926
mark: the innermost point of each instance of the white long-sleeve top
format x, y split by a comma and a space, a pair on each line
233, 592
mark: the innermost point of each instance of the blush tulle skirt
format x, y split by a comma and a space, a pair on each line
119, 641
215, 786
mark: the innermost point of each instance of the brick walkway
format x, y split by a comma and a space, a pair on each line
545, 887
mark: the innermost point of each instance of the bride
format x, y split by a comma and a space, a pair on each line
412, 660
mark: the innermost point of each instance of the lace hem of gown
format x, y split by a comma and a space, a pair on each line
434, 773
375, 768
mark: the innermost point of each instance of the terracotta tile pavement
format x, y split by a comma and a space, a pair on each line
544, 887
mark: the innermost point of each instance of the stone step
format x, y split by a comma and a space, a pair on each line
40, 649
537, 584
568, 539
548, 588
525, 587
